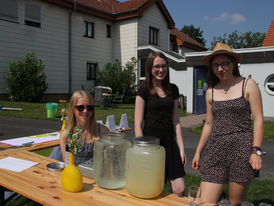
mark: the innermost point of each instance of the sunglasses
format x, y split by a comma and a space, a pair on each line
81, 108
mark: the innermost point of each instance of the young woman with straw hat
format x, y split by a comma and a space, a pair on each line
231, 149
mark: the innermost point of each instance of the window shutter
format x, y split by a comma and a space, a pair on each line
32, 12
9, 9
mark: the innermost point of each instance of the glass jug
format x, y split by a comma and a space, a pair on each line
109, 160
145, 167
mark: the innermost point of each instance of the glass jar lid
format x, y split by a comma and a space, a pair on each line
146, 141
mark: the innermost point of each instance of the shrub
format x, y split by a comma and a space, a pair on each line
119, 77
26, 79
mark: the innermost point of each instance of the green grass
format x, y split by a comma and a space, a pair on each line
39, 111
268, 130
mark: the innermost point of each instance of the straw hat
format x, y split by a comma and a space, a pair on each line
221, 48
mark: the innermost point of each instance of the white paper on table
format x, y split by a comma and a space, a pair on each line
35, 138
15, 164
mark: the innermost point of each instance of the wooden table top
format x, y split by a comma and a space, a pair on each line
43, 186
6, 148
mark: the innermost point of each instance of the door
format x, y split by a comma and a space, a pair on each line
200, 86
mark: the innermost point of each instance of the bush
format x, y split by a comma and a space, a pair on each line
26, 79
119, 77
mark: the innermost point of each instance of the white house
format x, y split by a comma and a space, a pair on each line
76, 38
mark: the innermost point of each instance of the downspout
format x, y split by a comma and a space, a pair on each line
69, 54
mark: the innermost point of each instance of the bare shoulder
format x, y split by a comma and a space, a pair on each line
103, 129
209, 94
251, 85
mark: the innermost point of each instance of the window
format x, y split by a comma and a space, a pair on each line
91, 71
32, 14
9, 10
269, 84
88, 29
108, 31
143, 67
153, 35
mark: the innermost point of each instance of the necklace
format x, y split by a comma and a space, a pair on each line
226, 89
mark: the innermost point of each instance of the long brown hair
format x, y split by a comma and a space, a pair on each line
213, 79
148, 81
72, 123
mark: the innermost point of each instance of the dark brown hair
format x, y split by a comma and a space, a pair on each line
213, 80
148, 81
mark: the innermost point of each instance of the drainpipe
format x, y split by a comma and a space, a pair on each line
69, 54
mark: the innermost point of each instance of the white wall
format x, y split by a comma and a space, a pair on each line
259, 72
48, 42
95, 50
154, 18
180, 79
51, 44
125, 40
184, 80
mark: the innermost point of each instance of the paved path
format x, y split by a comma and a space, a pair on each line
18, 127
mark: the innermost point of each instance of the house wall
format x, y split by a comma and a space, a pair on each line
180, 79
48, 42
94, 50
154, 18
183, 50
259, 72
125, 40
51, 44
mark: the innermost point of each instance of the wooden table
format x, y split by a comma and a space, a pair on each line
6, 148
43, 186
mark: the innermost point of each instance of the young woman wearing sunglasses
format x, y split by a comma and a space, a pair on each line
82, 114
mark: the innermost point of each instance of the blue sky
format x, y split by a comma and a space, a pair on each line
216, 17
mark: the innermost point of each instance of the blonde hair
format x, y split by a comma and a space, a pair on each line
72, 123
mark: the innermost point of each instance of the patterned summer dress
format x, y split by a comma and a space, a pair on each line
85, 153
227, 153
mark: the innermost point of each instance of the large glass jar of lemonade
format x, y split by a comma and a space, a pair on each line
109, 160
145, 168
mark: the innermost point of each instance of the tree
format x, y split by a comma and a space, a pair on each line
26, 79
242, 40
194, 33
119, 77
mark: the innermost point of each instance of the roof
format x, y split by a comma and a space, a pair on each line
114, 10
269, 38
186, 41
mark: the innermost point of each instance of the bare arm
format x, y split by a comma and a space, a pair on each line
63, 142
205, 132
139, 116
254, 97
178, 131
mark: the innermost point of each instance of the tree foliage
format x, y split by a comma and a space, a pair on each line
118, 77
194, 33
26, 79
242, 40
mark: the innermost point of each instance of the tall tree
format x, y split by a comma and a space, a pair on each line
242, 40
194, 33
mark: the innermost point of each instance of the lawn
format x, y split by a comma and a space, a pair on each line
268, 130
261, 190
